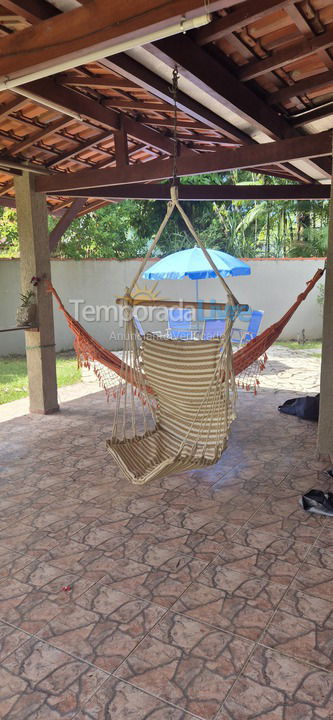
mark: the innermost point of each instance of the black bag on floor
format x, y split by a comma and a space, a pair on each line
306, 407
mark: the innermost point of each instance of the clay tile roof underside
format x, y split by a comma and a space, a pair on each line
259, 71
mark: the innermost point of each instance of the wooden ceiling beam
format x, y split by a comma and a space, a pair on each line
12, 106
121, 146
197, 66
64, 222
218, 161
31, 10
149, 191
308, 116
93, 29
152, 83
247, 12
292, 53
301, 87
8, 162
8, 202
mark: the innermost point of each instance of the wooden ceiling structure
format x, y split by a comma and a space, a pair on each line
85, 101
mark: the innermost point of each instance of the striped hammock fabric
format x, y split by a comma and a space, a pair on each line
194, 411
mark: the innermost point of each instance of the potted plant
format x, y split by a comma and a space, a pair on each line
27, 311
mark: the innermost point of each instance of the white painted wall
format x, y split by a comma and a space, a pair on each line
272, 287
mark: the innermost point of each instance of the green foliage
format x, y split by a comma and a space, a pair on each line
14, 377
27, 298
9, 244
245, 228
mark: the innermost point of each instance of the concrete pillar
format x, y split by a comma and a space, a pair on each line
325, 426
35, 262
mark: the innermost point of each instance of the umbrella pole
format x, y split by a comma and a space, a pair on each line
197, 302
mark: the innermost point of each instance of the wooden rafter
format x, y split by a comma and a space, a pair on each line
209, 75
64, 222
40, 134
220, 160
282, 57
31, 10
316, 113
247, 12
152, 83
72, 101
80, 148
97, 81
301, 87
12, 106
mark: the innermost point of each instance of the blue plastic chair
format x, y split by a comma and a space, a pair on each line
213, 329
240, 337
138, 326
253, 326
180, 323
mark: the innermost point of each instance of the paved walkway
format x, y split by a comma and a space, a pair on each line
293, 370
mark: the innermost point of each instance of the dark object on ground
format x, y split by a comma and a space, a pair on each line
306, 407
318, 502
329, 472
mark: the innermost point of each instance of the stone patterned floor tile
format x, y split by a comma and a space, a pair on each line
314, 580
165, 557
187, 663
100, 531
203, 521
150, 583
102, 627
80, 559
118, 700
41, 682
303, 627
25, 539
243, 605
305, 531
321, 556
10, 639
50, 580
292, 551
130, 554
276, 687
325, 538
256, 563
11, 562
25, 607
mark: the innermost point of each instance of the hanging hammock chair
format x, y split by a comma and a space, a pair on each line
193, 385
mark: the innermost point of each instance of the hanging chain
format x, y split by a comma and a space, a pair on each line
175, 78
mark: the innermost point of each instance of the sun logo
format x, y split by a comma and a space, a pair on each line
145, 292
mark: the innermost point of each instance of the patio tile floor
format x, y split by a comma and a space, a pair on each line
204, 595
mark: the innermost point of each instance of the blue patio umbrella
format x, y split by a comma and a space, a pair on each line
193, 264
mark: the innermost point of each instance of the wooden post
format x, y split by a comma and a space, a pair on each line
325, 426
35, 262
